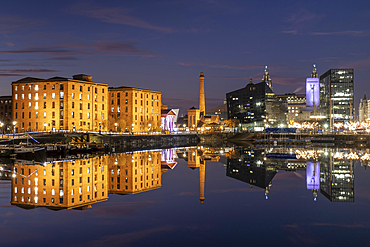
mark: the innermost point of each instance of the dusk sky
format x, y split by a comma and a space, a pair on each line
164, 45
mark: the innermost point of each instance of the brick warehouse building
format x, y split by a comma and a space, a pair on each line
134, 110
60, 104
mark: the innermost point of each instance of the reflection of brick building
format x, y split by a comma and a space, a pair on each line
6, 115
60, 103
131, 173
62, 185
134, 110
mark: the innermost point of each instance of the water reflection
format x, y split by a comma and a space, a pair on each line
79, 183
61, 185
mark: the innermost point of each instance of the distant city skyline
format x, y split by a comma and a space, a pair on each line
164, 45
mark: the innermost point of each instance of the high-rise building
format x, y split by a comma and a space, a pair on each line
134, 109
363, 109
336, 95
255, 105
60, 104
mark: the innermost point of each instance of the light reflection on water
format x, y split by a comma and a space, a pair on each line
175, 195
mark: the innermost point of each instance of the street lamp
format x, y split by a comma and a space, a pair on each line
14, 123
115, 125
133, 128
45, 126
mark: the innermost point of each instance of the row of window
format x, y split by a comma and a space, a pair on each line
61, 105
61, 115
36, 199
126, 94
61, 87
61, 96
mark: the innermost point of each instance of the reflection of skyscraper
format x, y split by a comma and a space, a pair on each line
251, 168
337, 180
61, 185
131, 173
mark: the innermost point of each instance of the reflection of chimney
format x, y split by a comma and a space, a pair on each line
202, 101
202, 178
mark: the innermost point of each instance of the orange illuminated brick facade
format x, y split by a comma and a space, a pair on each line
60, 104
134, 110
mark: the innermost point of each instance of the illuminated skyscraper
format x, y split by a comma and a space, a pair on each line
255, 105
336, 95
363, 109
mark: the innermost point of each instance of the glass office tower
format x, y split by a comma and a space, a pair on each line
336, 95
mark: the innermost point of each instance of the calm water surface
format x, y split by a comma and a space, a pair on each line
189, 197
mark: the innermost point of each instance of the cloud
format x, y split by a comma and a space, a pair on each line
300, 21
10, 23
288, 80
116, 15
221, 66
122, 48
358, 65
128, 48
344, 225
7, 75
64, 58
342, 33
40, 50
30, 71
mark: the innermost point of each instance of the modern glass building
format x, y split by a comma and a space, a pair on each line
336, 95
255, 105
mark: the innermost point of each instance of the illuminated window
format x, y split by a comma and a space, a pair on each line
53, 95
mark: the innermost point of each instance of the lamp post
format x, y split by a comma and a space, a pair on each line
14, 123
133, 128
45, 126
115, 126
99, 127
